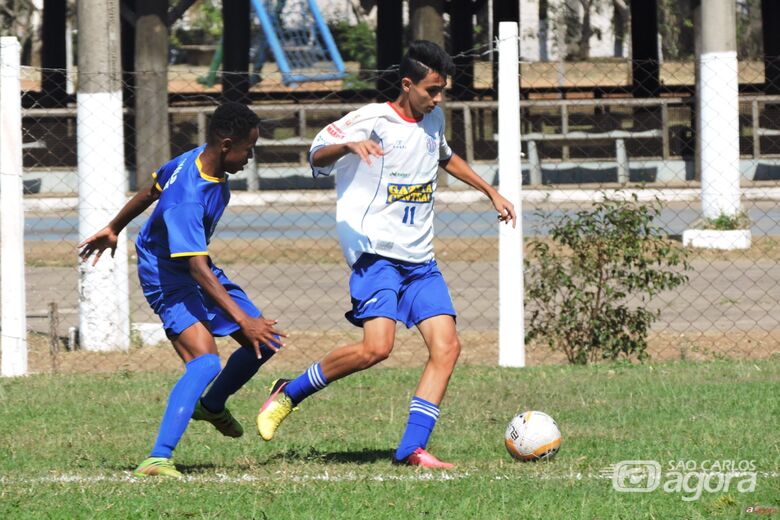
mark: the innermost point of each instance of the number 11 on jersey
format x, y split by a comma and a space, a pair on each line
409, 215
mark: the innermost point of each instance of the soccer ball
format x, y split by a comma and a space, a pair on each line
532, 436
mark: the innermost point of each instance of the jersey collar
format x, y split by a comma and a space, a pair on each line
204, 175
407, 119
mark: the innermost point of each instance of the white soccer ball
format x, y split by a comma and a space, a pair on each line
532, 436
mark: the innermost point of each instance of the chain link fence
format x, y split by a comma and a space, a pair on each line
583, 130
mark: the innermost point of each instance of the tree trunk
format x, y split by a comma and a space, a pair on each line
583, 52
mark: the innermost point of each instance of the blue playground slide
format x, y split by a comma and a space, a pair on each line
301, 43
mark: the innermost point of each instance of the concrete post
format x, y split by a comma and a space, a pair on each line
152, 135
718, 109
103, 289
427, 20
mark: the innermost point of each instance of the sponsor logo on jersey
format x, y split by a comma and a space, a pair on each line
335, 131
174, 175
403, 175
415, 193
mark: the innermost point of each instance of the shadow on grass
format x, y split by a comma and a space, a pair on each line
308, 454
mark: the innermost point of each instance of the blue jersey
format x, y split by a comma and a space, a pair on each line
190, 205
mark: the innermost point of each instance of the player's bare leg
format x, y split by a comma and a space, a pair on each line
378, 338
377, 344
444, 348
196, 340
441, 337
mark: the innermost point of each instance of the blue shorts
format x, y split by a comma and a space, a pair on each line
182, 305
402, 291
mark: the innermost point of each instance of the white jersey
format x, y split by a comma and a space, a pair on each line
386, 208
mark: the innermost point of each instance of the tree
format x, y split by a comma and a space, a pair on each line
23, 19
675, 24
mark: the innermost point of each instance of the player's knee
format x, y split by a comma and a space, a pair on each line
446, 353
375, 352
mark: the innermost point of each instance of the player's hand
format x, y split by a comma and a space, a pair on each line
365, 149
262, 331
97, 244
506, 210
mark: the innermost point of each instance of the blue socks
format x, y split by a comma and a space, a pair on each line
306, 384
422, 419
240, 367
198, 374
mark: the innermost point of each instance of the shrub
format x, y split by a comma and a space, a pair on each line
589, 286
724, 222
355, 43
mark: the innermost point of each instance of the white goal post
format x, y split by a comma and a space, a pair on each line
511, 322
14, 317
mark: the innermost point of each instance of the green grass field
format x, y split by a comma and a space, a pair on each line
68, 445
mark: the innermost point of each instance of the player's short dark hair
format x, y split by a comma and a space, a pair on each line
231, 119
422, 57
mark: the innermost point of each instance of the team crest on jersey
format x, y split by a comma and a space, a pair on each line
414, 193
430, 143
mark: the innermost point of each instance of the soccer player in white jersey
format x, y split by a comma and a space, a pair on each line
385, 157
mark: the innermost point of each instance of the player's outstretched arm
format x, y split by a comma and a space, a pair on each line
460, 169
107, 237
257, 330
331, 153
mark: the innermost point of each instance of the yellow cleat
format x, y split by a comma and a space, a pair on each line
157, 467
274, 410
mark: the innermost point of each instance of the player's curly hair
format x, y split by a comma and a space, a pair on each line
231, 119
424, 56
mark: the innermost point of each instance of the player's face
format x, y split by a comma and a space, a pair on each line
426, 93
237, 152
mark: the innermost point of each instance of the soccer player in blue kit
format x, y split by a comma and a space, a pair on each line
195, 300
386, 158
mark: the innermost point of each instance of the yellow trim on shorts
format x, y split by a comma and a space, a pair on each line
191, 253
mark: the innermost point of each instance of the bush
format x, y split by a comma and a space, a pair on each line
355, 43
589, 286
724, 222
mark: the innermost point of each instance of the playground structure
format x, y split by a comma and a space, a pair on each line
297, 36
